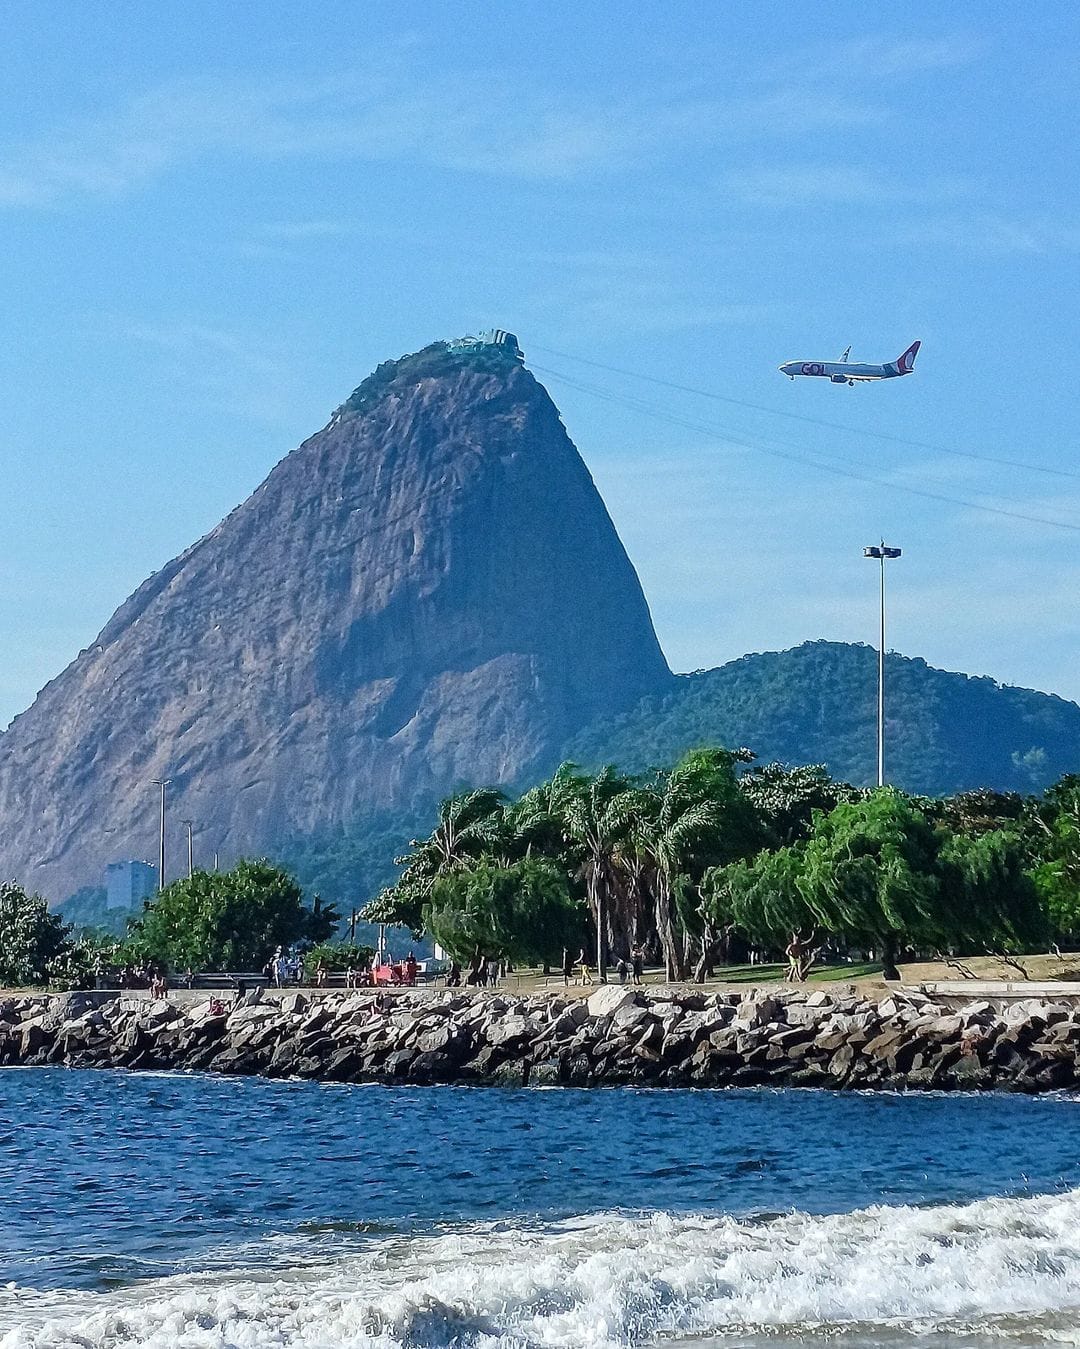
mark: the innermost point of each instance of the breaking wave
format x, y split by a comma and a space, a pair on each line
997, 1269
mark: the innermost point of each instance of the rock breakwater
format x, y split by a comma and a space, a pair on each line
617, 1036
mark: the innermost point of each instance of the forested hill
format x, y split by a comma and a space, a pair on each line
814, 704
817, 703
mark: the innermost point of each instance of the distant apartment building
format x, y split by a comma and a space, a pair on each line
127, 884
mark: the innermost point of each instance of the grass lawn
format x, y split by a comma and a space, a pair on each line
767, 974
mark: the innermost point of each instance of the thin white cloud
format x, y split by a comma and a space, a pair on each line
203, 341
394, 107
991, 234
637, 291
839, 184
377, 113
800, 111
876, 57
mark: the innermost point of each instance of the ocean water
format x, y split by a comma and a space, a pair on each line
199, 1212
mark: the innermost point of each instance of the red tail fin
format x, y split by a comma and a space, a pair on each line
906, 363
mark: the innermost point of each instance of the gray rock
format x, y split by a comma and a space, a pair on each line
569, 1020
546, 1073
630, 1016
431, 1066
761, 1011
610, 998
511, 1030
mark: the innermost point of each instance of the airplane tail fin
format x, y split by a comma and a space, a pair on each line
906, 364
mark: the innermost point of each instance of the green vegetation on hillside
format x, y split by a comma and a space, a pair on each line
817, 704
88, 911
429, 362
347, 865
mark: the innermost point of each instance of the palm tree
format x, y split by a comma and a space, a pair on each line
469, 826
597, 814
533, 824
698, 817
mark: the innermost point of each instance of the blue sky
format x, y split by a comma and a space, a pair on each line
218, 219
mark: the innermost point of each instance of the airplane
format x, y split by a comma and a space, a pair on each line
839, 372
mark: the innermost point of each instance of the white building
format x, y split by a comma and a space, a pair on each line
127, 884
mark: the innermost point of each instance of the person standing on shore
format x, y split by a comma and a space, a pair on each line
637, 961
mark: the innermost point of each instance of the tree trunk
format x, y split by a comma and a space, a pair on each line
637, 902
601, 935
889, 971
668, 932
598, 904
474, 968
710, 947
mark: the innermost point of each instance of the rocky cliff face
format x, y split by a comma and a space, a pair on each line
426, 593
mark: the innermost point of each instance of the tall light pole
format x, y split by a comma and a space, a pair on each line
884, 554
162, 783
188, 825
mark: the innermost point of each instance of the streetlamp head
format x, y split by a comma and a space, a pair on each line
882, 551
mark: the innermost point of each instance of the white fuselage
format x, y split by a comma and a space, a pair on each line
840, 372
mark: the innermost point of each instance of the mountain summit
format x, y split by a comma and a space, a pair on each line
428, 592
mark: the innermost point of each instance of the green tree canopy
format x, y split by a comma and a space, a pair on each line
229, 919
787, 797
991, 902
1056, 829
336, 956
698, 818
521, 912
876, 872
870, 872
598, 814
31, 938
762, 898
980, 811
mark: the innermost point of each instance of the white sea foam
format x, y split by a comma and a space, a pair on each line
1000, 1269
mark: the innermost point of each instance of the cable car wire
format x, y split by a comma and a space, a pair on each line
1001, 461
638, 405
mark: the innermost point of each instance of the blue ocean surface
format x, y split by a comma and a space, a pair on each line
141, 1209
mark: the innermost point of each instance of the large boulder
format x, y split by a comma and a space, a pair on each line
608, 999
